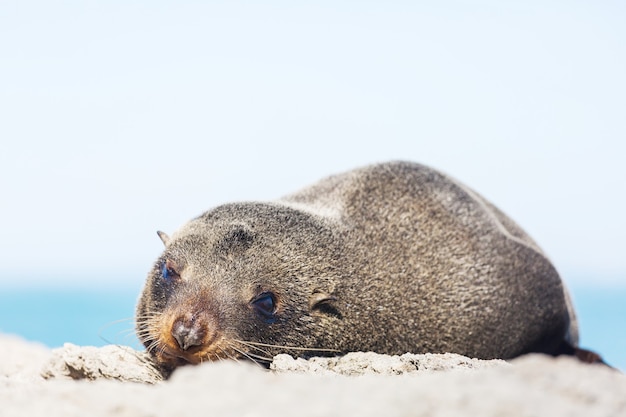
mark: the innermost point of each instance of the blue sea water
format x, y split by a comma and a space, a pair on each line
102, 316
81, 316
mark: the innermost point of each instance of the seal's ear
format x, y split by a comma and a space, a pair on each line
323, 303
164, 237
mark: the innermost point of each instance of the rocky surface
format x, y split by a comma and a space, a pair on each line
117, 381
369, 363
109, 362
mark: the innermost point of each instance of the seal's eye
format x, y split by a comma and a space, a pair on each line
265, 305
168, 271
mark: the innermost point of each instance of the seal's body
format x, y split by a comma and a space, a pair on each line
390, 258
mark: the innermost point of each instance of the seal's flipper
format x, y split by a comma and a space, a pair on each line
583, 355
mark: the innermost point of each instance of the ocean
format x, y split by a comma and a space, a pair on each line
102, 316
76, 315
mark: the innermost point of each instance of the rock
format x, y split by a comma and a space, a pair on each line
109, 362
21, 359
94, 381
364, 363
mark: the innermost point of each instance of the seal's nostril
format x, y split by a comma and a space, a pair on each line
187, 334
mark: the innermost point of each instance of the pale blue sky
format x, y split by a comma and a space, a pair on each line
118, 118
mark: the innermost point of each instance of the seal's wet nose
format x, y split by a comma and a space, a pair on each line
188, 332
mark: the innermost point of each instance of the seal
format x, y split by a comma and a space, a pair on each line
391, 258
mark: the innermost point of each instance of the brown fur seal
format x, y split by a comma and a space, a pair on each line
390, 258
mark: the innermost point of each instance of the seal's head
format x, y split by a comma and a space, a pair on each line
230, 285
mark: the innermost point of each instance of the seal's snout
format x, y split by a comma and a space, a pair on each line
188, 337
188, 332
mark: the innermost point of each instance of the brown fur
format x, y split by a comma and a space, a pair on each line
390, 258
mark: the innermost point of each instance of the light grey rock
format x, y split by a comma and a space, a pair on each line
365, 363
415, 385
532, 386
109, 362
21, 359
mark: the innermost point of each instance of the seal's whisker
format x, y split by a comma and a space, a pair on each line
231, 356
252, 346
251, 356
110, 324
127, 332
155, 345
144, 332
130, 330
161, 347
123, 320
228, 355
147, 317
147, 322
300, 348
149, 314
224, 353
153, 316
152, 346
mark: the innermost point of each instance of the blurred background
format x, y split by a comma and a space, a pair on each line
119, 118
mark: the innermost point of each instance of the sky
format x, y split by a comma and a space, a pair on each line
121, 118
